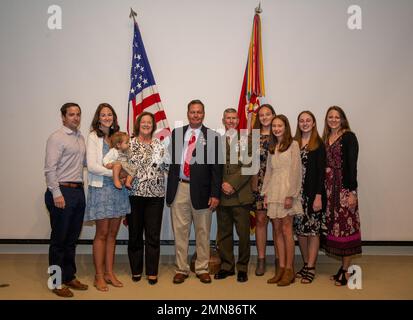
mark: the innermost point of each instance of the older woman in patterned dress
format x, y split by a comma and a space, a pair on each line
146, 197
342, 217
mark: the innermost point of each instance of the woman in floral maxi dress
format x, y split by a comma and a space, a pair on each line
343, 236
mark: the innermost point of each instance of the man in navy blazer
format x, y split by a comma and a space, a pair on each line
194, 189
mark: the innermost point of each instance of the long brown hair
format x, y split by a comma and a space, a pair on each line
344, 126
257, 123
95, 126
315, 139
137, 126
287, 139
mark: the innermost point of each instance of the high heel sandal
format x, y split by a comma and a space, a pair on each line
111, 279
100, 283
342, 280
336, 276
309, 276
302, 272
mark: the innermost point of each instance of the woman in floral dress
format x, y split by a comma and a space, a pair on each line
265, 114
313, 197
343, 237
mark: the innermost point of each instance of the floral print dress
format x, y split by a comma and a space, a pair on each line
259, 200
309, 223
342, 223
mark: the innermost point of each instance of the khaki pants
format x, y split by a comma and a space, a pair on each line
183, 213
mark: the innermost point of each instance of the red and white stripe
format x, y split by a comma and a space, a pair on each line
148, 100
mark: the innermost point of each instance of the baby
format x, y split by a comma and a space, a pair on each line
117, 160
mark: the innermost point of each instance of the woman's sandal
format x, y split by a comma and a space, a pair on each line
100, 283
111, 279
337, 275
342, 279
309, 276
302, 272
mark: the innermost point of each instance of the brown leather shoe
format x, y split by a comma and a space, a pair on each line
76, 285
204, 277
277, 277
179, 278
287, 278
64, 292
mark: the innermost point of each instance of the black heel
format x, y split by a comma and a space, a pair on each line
309, 276
337, 275
341, 280
302, 272
136, 278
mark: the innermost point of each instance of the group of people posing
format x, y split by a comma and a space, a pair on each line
304, 184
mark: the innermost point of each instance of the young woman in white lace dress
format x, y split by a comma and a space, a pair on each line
281, 190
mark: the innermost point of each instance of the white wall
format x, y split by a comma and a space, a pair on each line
198, 49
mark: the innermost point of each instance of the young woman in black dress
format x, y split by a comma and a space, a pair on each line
313, 197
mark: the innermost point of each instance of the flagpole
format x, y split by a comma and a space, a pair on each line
133, 14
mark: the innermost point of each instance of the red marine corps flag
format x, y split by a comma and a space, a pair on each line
253, 85
143, 94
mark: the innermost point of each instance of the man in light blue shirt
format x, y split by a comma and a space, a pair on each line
65, 197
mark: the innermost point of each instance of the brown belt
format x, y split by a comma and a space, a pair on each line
184, 181
71, 184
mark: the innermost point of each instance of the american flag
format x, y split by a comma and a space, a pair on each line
143, 94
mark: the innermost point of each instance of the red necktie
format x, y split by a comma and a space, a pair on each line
189, 151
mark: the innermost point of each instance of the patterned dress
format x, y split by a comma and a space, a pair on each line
259, 200
150, 161
309, 223
342, 223
108, 201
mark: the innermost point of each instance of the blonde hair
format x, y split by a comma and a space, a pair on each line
118, 137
